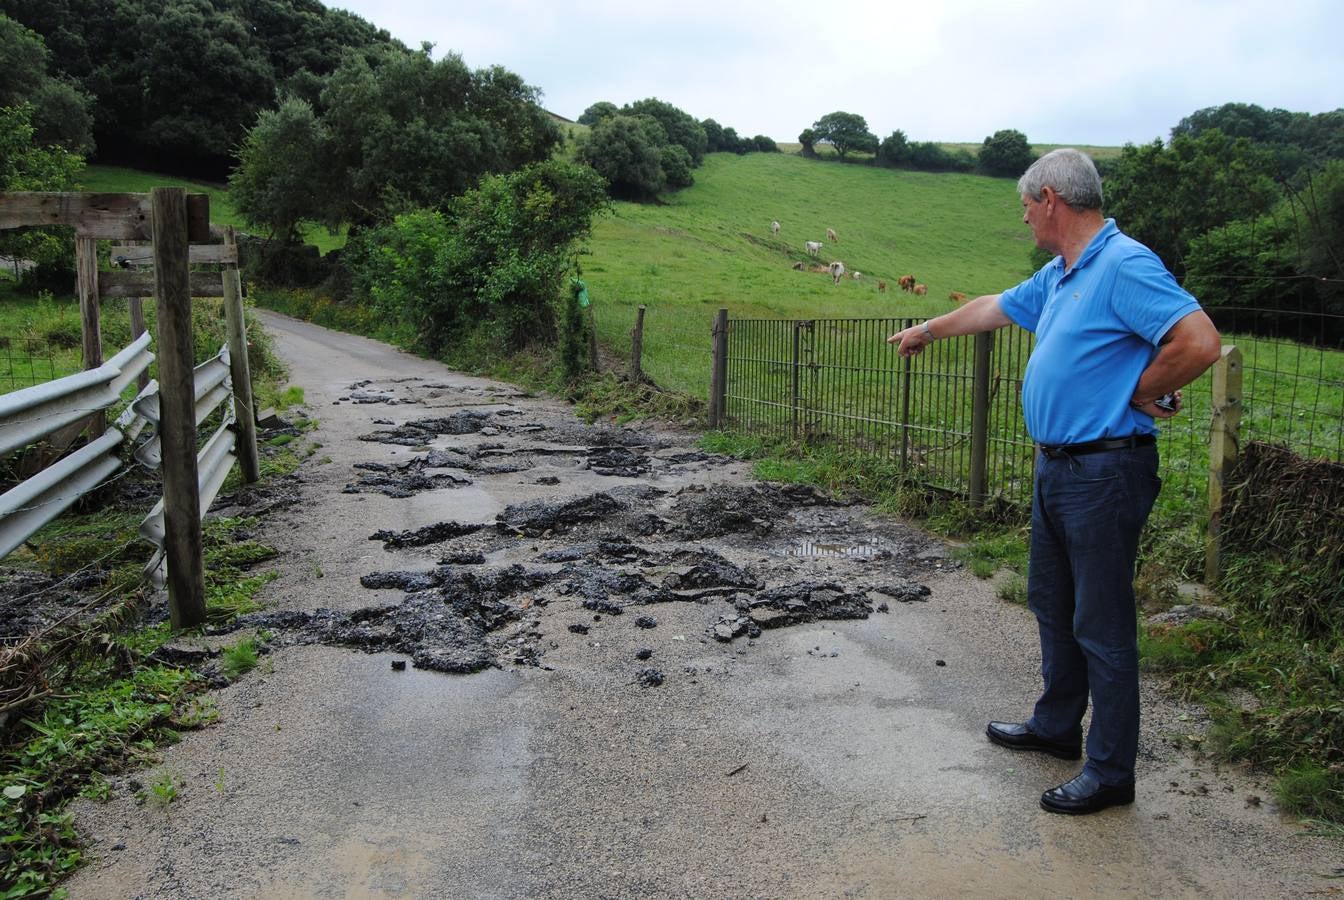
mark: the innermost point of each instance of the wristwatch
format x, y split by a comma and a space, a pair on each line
927, 333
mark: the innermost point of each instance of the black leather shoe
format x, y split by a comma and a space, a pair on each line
1017, 736
1084, 795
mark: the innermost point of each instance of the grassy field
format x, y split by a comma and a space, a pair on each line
710, 247
120, 178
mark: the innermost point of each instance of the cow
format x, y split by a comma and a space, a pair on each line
831, 236
837, 271
799, 266
813, 248
857, 275
881, 287
920, 290
774, 228
957, 297
907, 282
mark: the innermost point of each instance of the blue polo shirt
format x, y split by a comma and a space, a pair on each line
1097, 328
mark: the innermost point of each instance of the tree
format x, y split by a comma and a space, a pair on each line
597, 112
894, 150
846, 132
280, 180
762, 144
713, 135
1006, 152
676, 163
627, 152
60, 111
679, 126
25, 165
731, 142
1164, 196
401, 133
178, 82
808, 138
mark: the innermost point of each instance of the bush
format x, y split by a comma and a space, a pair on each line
676, 164
932, 157
496, 260
894, 150
627, 152
1006, 152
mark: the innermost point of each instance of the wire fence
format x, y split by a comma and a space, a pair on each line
25, 363
951, 417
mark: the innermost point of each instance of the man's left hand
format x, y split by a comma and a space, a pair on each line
1158, 412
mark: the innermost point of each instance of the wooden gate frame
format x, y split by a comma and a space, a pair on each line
172, 220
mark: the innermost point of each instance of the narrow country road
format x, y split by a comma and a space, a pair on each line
808, 721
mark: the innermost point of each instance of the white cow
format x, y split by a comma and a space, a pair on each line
774, 228
837, 271
813, 248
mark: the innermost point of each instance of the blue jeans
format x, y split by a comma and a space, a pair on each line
1086, 515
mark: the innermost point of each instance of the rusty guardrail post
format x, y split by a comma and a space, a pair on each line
1224, 433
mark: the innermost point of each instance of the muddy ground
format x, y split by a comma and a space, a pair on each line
512, 655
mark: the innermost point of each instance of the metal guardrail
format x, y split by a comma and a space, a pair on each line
32, 413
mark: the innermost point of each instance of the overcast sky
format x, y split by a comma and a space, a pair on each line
943, 70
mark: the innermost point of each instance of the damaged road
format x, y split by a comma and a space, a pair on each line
513, 655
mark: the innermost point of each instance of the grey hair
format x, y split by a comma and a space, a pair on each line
1070, 172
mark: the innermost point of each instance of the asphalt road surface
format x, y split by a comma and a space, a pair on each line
822, 758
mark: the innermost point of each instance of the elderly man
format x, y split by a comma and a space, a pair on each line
1115, 335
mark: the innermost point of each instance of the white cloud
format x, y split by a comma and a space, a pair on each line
956, 70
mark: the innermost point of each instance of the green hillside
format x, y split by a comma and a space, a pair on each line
710, 246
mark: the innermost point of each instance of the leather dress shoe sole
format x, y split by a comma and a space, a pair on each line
1016, 736
1083, 795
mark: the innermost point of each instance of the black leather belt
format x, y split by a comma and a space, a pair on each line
1134, 440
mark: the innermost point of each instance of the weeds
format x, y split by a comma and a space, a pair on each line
239, 659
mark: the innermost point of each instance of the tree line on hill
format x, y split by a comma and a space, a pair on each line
1006, 152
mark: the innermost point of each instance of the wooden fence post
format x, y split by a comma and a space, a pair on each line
718, 377
637, 347
592, 341
984, 346
86, 286
1223, 446
177, 417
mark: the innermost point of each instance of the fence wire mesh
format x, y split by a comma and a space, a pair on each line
25, 363
838, 380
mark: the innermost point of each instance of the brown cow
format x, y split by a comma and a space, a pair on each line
907, 282
881, 287
830, 233
957, 297
921, 289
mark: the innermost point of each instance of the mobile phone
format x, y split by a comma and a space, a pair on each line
1167, 402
